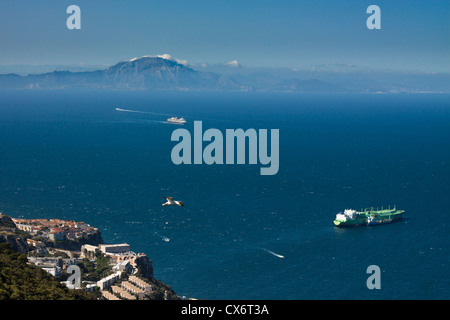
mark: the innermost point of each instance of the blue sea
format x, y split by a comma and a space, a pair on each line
242, 235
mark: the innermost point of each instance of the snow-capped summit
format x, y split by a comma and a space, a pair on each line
164, 56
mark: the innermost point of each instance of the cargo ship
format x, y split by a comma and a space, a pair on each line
350, 218
369, 217
375, 217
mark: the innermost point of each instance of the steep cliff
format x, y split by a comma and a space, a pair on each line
16, 242
10, 234
145, 266
161, 291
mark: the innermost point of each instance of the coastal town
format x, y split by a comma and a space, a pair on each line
55, 229
74, 253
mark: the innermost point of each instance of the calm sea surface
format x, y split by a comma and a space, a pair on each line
71, 155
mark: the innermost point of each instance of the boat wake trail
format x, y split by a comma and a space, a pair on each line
126, 110
162, 237
144, 112
273, 253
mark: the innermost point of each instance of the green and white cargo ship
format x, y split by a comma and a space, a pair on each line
370, 217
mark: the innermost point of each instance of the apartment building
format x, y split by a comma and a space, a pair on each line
108, 281
123, 293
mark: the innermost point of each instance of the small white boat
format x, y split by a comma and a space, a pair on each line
177, 120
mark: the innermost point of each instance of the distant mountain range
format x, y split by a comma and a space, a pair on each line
146, 73
166, 73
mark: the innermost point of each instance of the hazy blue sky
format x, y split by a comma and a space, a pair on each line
414, 35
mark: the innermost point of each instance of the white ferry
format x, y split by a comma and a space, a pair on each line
177, 120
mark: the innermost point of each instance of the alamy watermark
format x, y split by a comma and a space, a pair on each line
374, 280
75, 278
374, 21
213, 153
74, 20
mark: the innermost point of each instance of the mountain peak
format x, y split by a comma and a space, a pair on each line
164, 56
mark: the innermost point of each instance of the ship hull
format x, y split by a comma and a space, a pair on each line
176, 122
384, 219
350, 223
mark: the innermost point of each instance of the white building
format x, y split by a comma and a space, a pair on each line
114, 248
108, 281
90, 287
56, 235
122, 266
27, 227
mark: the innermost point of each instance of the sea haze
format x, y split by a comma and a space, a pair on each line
240, 235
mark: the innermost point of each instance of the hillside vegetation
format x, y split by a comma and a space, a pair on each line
21, 281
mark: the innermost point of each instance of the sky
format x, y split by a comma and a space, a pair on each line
414, 35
